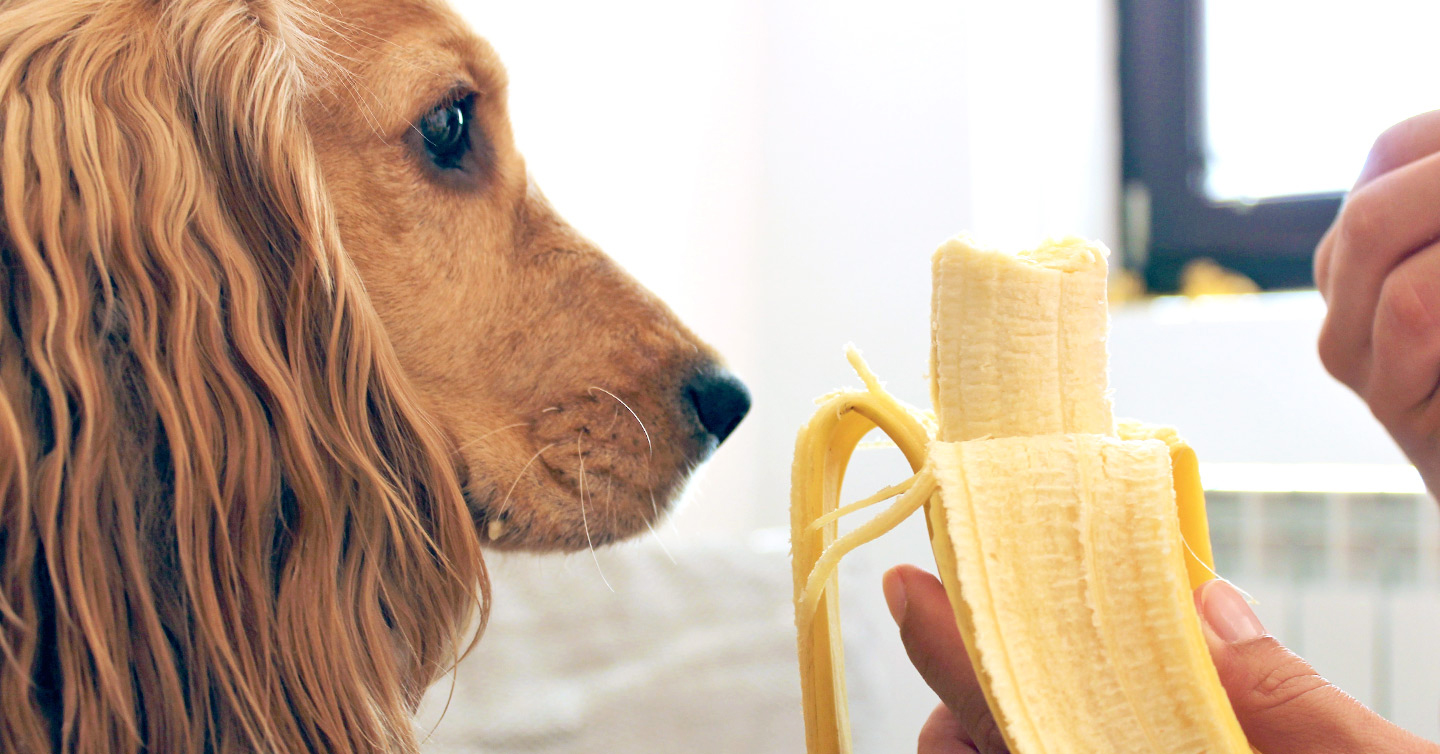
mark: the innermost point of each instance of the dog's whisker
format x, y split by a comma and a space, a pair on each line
650, 444
657, 537
330, 22
347, 77
366, 100
370, 102
359, 30
584, 519
654, 504
650, 488
471, 443
661, 541
505, 504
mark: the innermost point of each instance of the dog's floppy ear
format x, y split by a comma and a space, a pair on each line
224, 525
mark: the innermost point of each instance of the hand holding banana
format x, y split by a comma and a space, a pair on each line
1283, 706
1068, 546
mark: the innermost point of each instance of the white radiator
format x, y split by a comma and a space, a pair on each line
1349, 581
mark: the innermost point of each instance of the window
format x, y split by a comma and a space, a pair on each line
1244, 121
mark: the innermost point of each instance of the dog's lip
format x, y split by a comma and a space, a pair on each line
494, 527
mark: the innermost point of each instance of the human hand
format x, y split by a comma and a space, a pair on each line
1283, 706
1378, 268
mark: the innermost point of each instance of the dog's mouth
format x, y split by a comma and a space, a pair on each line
599, 466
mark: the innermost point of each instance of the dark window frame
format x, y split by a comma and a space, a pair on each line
1169, 219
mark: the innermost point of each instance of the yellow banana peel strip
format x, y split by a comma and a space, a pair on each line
821, 454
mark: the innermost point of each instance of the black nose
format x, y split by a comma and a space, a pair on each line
720, 400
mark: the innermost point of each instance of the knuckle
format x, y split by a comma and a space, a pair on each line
1363, 221
979, 721
1391, 143
985, 733
990, 741
1403, 307
1320, 268
1278, 692
939, 732
1338, 354
1290, 683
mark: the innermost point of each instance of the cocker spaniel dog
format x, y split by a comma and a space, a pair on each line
288, 334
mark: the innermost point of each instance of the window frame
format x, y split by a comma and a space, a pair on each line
1168, 218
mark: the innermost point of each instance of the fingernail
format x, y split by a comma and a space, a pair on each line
1226, 612
894, 587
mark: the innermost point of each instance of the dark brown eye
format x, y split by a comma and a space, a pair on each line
446, 131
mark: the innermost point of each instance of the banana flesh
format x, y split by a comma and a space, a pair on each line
1018, 340
1068, 544
1073, 586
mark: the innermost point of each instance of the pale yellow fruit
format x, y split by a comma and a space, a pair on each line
1067, 556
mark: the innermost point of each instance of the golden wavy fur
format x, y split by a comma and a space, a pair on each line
242, 493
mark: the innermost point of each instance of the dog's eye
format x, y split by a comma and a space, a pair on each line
446, 132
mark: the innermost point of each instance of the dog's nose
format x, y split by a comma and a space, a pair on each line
720, 400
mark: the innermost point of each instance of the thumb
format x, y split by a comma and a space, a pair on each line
921, 609
1283, 705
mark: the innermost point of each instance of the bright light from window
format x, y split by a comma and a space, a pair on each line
1297, 90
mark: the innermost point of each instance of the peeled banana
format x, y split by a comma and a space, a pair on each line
1068, 543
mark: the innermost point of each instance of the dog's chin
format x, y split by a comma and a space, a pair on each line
556, 518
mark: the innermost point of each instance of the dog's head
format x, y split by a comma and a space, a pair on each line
577, 401
286, 328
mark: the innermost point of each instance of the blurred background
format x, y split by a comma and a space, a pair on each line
780, 171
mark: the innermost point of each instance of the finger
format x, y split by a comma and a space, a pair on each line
927, 627
1405, 352
1381, 225
1402, 144
943, 734
1283, 705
